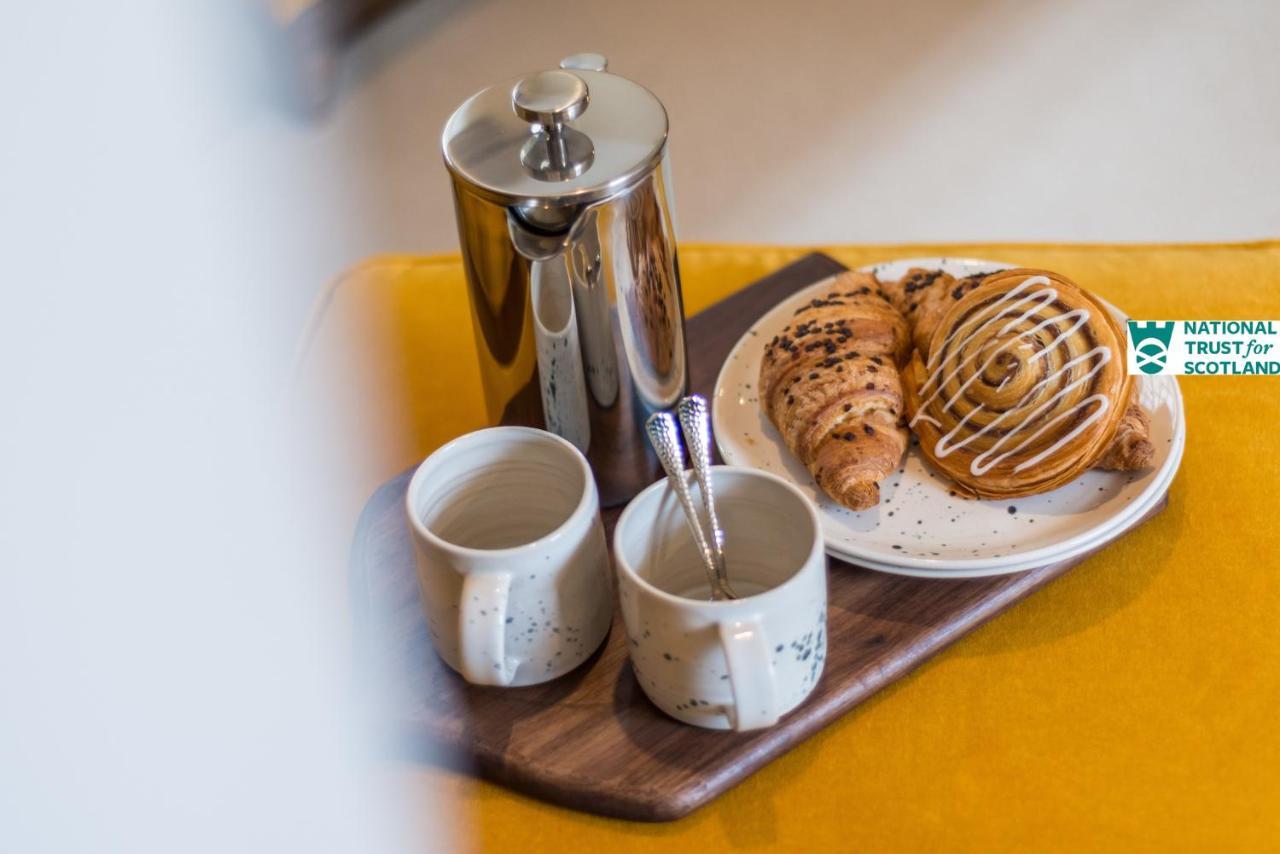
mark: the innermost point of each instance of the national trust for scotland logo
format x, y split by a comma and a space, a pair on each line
1204, 347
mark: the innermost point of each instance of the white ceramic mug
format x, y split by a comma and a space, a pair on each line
512, 559
728, 664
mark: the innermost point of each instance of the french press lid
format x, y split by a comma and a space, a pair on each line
572, 135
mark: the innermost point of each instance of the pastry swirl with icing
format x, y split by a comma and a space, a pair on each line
1022, 386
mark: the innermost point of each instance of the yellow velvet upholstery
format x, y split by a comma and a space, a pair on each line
1132, 705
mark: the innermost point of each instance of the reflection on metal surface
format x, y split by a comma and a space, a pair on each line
649, 303
591, 301
555, 157
574, 284
560, 371
602, 295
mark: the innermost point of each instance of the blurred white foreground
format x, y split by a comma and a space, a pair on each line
173, 635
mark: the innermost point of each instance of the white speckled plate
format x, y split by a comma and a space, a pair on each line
919, 528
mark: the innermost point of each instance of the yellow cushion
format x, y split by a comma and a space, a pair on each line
1131, 705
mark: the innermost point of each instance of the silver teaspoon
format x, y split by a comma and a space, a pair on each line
695, 423
665, 438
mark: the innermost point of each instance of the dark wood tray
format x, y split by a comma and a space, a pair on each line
591, 740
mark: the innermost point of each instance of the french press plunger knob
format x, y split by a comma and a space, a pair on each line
547, 100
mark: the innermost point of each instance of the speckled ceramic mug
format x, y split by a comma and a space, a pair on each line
729, 664
512, 559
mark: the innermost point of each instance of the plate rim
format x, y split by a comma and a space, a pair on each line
1129, 519
968, 567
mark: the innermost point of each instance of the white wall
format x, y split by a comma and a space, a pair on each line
868, 121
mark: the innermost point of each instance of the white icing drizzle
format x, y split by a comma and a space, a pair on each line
1103, 405
1042, 299
978, 468
1013, 292
1080, 320
942, 450
990, 458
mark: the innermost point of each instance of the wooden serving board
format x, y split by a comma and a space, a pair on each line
591, 740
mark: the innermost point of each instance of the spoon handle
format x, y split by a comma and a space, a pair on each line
665, 438
695, 423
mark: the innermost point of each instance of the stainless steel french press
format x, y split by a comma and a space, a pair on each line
562, 189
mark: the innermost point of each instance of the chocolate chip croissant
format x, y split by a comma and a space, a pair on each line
1022, 387
830, 384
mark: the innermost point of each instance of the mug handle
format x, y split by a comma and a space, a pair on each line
482, 620
755, 694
